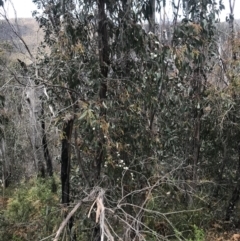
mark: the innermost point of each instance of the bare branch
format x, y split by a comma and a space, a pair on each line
65, 221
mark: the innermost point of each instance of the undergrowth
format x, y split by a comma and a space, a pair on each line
32, 211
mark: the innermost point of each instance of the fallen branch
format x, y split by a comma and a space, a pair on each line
65, 221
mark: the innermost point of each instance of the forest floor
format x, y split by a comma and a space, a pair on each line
214, 235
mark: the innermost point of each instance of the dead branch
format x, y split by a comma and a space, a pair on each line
65, 221
90, 197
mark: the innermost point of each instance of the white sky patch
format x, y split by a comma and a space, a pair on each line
24, 9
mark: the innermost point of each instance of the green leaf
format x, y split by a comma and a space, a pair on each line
83, 115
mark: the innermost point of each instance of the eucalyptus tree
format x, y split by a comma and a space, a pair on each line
214, 135
119, 89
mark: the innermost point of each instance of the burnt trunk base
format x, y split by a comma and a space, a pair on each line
65, 169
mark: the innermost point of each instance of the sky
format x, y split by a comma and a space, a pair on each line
24, 9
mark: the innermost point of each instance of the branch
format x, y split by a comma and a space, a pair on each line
16, 33
65, 221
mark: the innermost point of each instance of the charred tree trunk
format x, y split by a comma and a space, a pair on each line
104, 62
104, 67
65, 169
152, 16
65, 161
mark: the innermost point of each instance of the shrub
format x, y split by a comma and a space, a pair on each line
32, 211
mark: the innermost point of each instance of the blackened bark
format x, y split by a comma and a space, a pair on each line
65, 161
152, 16
45, 147
236, 191
99, 159
104, 62
103, 46
65, 170
104, 66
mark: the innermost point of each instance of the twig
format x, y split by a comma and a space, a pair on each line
47, 237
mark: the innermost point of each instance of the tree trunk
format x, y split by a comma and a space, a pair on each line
33, 97
6, 171
152, 17
231, 26
65, 169
196, 145
65, 160
104, 65
45, 146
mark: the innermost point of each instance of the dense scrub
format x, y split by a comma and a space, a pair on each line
139, 126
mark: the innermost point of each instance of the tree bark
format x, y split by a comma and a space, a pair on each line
6, 171
45, 146
104, 62
196, 145
231, 26
152, 17
66, 160
65, 168
104, 66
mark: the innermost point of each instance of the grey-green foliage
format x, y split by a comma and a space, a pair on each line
155, 131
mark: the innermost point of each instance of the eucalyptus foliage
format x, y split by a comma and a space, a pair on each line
162, 128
